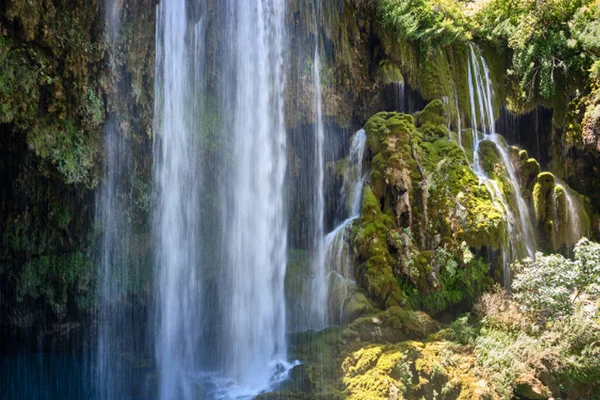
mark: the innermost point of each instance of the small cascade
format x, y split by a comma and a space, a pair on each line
575, 224
520, 232
576, 219
400, 96
338, 281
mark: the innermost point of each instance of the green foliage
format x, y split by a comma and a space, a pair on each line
427, 21
462, 330
456, 284
55, 278
516, 354
548, 286
69, 149
47, 91
553, 42
587, 259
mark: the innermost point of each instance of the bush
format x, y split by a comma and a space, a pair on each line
549, 286
551, 41
428, 21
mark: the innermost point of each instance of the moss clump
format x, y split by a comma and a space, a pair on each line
356, 306
528, 172
435, 78
375, 270
543, 187
434, 113
391, 326
389, 73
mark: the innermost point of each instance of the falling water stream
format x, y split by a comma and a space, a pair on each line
247, 296
337, 280
115, 320
176, 218
317, 313
520, 233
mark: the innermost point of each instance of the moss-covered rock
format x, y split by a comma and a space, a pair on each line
424, 197
389, 73
357, 306
376, 264
557, 220
393, 325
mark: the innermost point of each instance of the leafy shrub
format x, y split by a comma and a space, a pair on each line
456, 284
512, 351
550, 40
462, 331
548, 286
428, 21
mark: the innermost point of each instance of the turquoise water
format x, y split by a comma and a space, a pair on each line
46, 376
63, 376
69, 376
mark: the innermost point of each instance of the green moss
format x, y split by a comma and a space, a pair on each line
356, 306
422, 187
389, 73
560, 216
529, 171
434, 75
390, 326
434, 113
539, 202
376, 271
552, 214
542, 198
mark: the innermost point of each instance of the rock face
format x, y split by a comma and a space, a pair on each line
57, 76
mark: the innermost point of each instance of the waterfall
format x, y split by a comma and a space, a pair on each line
400, 96
577, 222
336, 282
176, 218
317, 316
115, 321
521, 235
255, 236
220, 237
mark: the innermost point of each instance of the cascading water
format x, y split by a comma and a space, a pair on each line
178, 284
576, 222
577, 227
220, 313
520, 229
256, 225
338, 280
